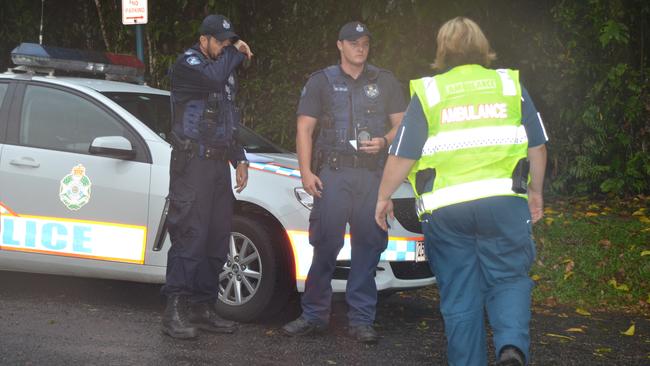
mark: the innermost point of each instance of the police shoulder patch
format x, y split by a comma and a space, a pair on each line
193, 60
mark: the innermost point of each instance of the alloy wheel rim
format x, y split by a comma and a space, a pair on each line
242, 272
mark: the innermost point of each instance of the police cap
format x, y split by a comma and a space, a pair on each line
353, 31
219, 27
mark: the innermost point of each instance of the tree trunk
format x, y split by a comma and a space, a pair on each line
102, 25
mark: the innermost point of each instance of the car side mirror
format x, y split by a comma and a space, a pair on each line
112, 146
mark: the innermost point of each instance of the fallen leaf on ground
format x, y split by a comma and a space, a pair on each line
582, 311
535, 277
603, 350
575, 330
629, 331
645, 252
560, 336
616, 285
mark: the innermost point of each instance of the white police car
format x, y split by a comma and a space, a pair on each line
84, 172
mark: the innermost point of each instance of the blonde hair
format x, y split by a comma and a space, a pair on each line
461, 41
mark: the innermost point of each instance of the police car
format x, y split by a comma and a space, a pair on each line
84, 173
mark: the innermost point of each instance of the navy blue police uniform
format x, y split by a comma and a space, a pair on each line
201, 199
347, 109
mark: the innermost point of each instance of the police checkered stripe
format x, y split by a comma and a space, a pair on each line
475, 137
277, 169
399, 251
464, 192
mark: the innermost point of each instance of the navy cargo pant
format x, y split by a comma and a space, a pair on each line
349, 196
199, 222
481, 252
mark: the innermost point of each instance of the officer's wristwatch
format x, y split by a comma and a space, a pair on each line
244, 162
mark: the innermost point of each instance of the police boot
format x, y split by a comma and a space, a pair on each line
364, 334
175, 323
205, 317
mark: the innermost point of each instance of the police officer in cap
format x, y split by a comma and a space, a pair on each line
205, 122
356, 108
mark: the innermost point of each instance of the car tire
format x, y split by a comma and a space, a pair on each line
271, 289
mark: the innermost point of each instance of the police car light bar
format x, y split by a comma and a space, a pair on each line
114, 66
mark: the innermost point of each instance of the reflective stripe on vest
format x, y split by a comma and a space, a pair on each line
464, 192
475, 137
475, 134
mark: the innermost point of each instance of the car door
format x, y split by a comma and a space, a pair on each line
59, 199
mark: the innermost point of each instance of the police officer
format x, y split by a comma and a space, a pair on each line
475, 148
203, 89
357, 108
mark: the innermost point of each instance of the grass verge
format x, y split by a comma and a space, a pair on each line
594, 254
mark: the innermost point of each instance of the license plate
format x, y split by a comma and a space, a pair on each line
420, 254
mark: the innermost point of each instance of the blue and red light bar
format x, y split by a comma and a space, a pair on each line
114, 66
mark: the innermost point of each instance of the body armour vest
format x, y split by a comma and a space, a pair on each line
475, 136
353, 109
210, 119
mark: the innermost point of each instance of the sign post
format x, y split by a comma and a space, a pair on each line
136, 12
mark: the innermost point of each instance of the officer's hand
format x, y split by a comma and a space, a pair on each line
312, 184
243, 47
384, 208
535, 205
372, 146
241, 175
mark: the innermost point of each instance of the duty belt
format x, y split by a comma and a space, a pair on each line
336, 161
189, 146
212, 153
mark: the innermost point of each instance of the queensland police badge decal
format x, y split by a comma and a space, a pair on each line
372, 91
75, 188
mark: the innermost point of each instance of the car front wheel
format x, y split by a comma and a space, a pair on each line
254, 278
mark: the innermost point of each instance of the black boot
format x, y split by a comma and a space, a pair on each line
175, 323
511, 356
205, 317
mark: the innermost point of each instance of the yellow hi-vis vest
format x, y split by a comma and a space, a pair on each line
475, 135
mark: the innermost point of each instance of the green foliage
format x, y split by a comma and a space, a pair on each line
594, 253
585, 63
601, 96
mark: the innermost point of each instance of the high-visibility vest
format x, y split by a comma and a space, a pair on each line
475, 136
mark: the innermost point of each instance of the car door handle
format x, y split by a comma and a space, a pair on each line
25, 162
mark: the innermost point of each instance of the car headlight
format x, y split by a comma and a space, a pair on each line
304, 198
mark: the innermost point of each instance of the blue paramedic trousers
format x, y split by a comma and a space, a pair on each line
481, 252
199, 223
349, 195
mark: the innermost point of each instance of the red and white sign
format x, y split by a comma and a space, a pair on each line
134, 12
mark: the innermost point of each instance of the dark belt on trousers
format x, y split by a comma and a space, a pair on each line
211, 153
336, 161
194, 149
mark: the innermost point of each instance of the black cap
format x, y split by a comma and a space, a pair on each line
353, 31
218, 26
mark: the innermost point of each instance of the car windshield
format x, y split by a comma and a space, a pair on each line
154, 111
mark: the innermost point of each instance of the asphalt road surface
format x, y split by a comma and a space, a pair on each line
52, 320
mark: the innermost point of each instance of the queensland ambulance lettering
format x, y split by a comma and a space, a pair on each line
474, 112
73, 238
